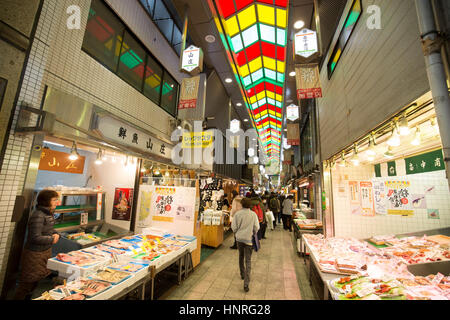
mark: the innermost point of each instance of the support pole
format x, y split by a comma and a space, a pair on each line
432, 42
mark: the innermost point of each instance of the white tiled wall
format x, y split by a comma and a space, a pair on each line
56, 60
350, 225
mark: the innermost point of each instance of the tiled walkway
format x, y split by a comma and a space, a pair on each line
277, 274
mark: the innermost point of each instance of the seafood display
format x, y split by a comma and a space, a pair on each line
119, 244
79, 258
432, 287
110, 275
127, 266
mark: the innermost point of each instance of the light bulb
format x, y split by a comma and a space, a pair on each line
403, 126
343, 163
99, 158
394, 140
299, 24
370, 152
389, 154
74, 152
417, 138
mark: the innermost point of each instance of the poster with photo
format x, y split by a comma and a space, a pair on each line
367, 205
379, 197
399, 198
123, 201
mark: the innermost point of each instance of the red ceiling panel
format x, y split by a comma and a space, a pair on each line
270, 86
240, 4
259, 88
241, 59
268, 49
226, 8
281, 53
253, 52
278, 90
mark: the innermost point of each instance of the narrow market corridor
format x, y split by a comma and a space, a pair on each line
277, 274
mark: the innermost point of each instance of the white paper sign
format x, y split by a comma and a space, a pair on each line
292, 112
379, 197
191, 58
306, 43
84, 219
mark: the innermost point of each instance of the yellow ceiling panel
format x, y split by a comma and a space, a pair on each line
269, 63
253, 99
266, 14
270, 94
263, 113
281, 18
281, 66
279, 98
232, 26
255, 64
261, 95
247, 17
243, 71
278, 115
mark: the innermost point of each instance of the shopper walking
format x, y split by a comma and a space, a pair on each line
245, 224
258, 208
236, 205
274, 206
288, 208
38, 247
281, 199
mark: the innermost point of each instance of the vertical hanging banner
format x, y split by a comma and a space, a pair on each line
192, 60
379, 197
392, 169
367, 204
399, 198
293, 134
355, 203
288, 156
189, 93
308, 82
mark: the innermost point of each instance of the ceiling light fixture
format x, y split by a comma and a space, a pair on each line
355, 158
371, 150
403, 126
239, 104
389, 154
228, 80
292, 74
74, 152
99, 161
394, 140
299, 24
210, 38
245, 120
343, 162
417, 138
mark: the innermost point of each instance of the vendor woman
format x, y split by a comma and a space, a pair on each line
38, 247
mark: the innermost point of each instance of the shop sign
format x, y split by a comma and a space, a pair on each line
129, 136
192, 60
427, 162
306, 43
123, 200
293, 134
398, 198
288, 157
292, 112
308, 82
392, 169
57, 161
192, 140
189, 93
235, 126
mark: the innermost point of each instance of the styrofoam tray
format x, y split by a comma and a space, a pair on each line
66, 270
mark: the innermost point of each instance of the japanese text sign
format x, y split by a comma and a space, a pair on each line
308, 82
52, 160
427, 162
189, 93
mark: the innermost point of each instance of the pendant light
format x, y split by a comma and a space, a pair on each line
99, 158
343, 162
370, 152
417, 138
355, 157
389, 154
104, 158
394, 140
74, 152
403, 126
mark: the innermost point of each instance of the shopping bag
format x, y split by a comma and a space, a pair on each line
255, 241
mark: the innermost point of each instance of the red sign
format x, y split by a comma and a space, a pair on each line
311, 93
293, 142
187, 104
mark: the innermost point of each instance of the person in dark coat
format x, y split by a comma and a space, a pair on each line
38, 247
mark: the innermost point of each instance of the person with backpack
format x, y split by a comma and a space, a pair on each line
258, 208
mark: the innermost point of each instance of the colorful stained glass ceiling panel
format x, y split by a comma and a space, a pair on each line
256, 33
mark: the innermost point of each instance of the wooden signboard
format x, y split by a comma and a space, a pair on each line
52, 160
